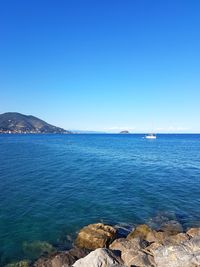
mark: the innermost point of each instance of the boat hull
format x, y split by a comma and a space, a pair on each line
150, 137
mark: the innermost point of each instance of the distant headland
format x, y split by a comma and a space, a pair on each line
13, 122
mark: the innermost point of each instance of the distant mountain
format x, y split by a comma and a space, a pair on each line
12, 122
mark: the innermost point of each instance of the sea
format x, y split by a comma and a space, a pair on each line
52, 185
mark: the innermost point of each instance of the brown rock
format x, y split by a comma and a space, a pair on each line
95, 236
79, 252
193, 232
140, 231
61, 259
155, 236
132, 252
136, 258
152, 248
122, 244
175, 239
164, 238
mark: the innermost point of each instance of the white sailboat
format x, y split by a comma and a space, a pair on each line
151, 136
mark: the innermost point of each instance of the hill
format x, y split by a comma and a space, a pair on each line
13, 122
124, 132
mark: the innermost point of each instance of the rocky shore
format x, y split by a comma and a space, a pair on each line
100, 245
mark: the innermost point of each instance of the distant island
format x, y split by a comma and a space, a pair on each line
13, 122
125, 132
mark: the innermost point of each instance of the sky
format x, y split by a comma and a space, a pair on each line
102, 65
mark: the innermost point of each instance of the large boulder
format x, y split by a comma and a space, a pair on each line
95, 236
132, 252
140, 231
100, 257
186, 254
61, 259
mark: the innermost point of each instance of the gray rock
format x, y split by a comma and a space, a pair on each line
186, 254
100, 257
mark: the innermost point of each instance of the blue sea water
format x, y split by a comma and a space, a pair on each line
52, 185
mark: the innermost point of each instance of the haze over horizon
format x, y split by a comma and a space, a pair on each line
102, 65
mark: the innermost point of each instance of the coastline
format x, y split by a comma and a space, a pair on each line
161, 243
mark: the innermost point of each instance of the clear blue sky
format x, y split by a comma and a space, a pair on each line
102, 64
